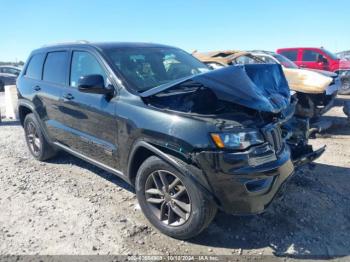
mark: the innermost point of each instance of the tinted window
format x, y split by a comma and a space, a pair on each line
245, 60
10, 70
330, 54
35, 66
291, 55
55, 67
83, 63
267, 60
285, 61
309, 55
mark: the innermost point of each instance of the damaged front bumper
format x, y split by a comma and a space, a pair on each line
315, 105
246, 182
298, 132
241, 188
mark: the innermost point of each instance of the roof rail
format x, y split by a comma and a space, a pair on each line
261, 51
68, 42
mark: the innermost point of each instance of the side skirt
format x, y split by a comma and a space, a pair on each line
92, 161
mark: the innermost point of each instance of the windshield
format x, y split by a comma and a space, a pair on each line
330, 54
148, 67
285, 61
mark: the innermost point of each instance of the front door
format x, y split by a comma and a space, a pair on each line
314, 60
90, 118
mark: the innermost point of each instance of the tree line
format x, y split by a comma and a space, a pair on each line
19, 63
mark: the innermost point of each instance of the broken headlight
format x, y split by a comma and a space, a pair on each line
240, 140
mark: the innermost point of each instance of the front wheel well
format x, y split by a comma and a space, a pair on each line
23, 111
138, 158
142, 153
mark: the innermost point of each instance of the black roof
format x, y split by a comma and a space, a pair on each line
101, 45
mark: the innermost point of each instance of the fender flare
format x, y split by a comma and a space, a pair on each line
175, 164
31, 107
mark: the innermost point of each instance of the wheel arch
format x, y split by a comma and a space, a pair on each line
143, 150
23, 110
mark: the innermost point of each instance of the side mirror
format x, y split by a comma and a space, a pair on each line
93, 84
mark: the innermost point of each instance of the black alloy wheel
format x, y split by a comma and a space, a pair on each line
171, 200
168, 198
38, 146
33, 138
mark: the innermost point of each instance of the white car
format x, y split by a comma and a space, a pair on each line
9, 69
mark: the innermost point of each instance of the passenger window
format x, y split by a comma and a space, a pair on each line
84, 63
35, 66
311, 56
291, 55
267, 60
242, 60
11, 71
55, 67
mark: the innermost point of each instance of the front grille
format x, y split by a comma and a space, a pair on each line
273, 135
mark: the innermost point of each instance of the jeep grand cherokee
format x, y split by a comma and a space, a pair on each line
188, 139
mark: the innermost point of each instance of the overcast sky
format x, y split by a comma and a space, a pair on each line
199, 24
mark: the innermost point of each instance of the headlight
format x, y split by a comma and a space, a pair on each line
240, 140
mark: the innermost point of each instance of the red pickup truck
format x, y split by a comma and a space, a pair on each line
320, 59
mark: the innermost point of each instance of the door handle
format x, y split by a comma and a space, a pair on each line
37, 88
68, 96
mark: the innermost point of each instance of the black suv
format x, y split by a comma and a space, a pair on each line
188, 139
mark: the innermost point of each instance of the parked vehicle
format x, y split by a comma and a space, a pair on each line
320, 59
188, 139
8, 69
315, 91
344, 55
6, 79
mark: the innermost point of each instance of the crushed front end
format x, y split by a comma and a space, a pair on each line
246, 181
313, 105
255, 142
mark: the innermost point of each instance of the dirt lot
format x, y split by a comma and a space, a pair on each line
67, 206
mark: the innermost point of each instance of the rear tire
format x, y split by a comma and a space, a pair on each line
36, 142
162, 203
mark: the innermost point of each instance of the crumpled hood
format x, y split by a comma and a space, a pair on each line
307, 81
325, 73
262, 87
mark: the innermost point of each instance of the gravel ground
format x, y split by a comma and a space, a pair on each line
67, 206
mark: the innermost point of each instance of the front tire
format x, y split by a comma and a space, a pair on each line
172, 202
36, 142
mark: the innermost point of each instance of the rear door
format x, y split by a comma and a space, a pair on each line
90, 118
45, 76
291, 54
